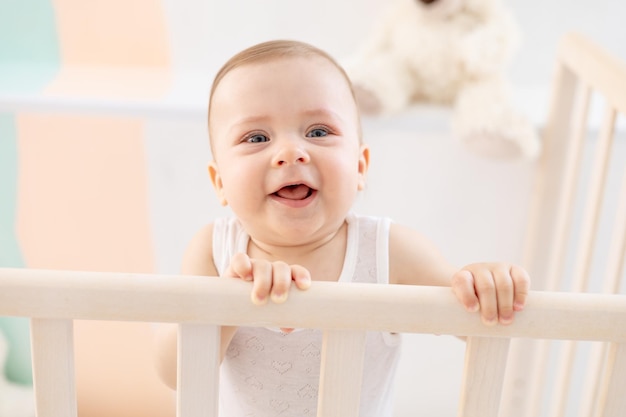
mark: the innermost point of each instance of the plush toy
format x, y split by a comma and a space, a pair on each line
15, 400
452, 53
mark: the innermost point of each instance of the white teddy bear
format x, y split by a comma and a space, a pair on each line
15, 400
448, 52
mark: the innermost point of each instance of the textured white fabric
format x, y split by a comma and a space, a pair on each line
269, 373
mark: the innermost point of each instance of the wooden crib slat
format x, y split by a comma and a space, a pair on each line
613, 401
485, 364
594, 202
567, 353
341, 373
569, 101
53, 367
615, 264
551, 213
198, 370
547, 188
560, 243
585, 251
617, 248
567, 192
596, 374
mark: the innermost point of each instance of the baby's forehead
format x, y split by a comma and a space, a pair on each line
321, 64
308, 73
292, 76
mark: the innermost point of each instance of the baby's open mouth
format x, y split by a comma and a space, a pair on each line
295, 192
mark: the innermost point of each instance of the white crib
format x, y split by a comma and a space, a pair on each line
53, 299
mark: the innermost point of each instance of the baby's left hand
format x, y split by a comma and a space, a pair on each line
497, 290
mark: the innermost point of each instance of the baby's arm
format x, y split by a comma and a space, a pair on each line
495, 289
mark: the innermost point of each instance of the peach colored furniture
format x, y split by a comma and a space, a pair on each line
53, 299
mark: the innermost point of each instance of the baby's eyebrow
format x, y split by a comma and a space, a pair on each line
316, 112
250, 120
246, 121
323, 112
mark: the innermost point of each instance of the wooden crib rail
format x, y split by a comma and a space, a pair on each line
51, 294
52, 299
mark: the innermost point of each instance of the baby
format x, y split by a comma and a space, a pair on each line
289, 160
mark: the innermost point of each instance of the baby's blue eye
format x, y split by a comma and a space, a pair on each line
258, 138
317, 133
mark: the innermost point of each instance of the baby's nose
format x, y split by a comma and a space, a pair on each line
290, 154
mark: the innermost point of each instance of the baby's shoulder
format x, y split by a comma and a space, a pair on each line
198, 259
414, 259
204, 236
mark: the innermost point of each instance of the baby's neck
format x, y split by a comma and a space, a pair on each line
323, 258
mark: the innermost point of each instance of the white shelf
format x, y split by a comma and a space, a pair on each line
186, 96
135, 92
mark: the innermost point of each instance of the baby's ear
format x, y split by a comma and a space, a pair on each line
364, 163
216, 180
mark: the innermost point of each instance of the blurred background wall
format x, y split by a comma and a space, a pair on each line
103, 153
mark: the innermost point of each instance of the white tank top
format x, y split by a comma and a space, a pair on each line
266, 372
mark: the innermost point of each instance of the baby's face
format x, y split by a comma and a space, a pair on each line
287, 153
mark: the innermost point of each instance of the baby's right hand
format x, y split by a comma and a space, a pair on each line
270, 279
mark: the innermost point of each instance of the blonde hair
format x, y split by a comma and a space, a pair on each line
270, 50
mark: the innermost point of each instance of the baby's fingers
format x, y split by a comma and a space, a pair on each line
281, 281
301, 276
262, 283
463, 287
497, 290
505, 292
240, 267
521, 281
283, 275
476, 289
486, 287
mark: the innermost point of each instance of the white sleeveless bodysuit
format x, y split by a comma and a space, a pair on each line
266, 372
